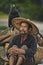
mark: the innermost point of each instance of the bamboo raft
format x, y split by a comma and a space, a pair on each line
5, 39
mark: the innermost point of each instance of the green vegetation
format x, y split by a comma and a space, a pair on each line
3, 30
31, 11
3, 27
26, 8
3, 15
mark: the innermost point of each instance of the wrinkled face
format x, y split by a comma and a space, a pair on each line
24, 28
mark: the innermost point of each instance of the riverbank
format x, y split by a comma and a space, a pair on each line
3, 15
3, 20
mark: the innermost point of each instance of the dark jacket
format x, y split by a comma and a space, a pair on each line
30, 42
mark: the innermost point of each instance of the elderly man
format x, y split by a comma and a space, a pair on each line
23, 46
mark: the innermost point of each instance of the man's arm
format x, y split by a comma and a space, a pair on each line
32, 50
10, 45
12, 42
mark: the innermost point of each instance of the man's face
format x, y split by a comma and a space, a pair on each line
24, 28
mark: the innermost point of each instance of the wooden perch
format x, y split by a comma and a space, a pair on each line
7, 40
4, 37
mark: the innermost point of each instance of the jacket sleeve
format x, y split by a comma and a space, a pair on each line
33, 47
12, 42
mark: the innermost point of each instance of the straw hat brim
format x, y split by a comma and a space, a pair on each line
16, 22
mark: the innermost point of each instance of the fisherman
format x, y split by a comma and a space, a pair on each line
23, 46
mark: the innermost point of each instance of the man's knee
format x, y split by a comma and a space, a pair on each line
24, 47
15, 46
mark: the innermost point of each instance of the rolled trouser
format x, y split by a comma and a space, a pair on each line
24, 47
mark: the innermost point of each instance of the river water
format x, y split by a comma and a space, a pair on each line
39, 26
4, 22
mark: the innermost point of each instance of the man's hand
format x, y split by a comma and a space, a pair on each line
20, 51
16, 51
12, 50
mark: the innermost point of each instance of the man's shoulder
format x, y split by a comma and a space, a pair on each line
31, 37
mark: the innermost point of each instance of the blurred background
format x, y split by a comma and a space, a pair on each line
30, 9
